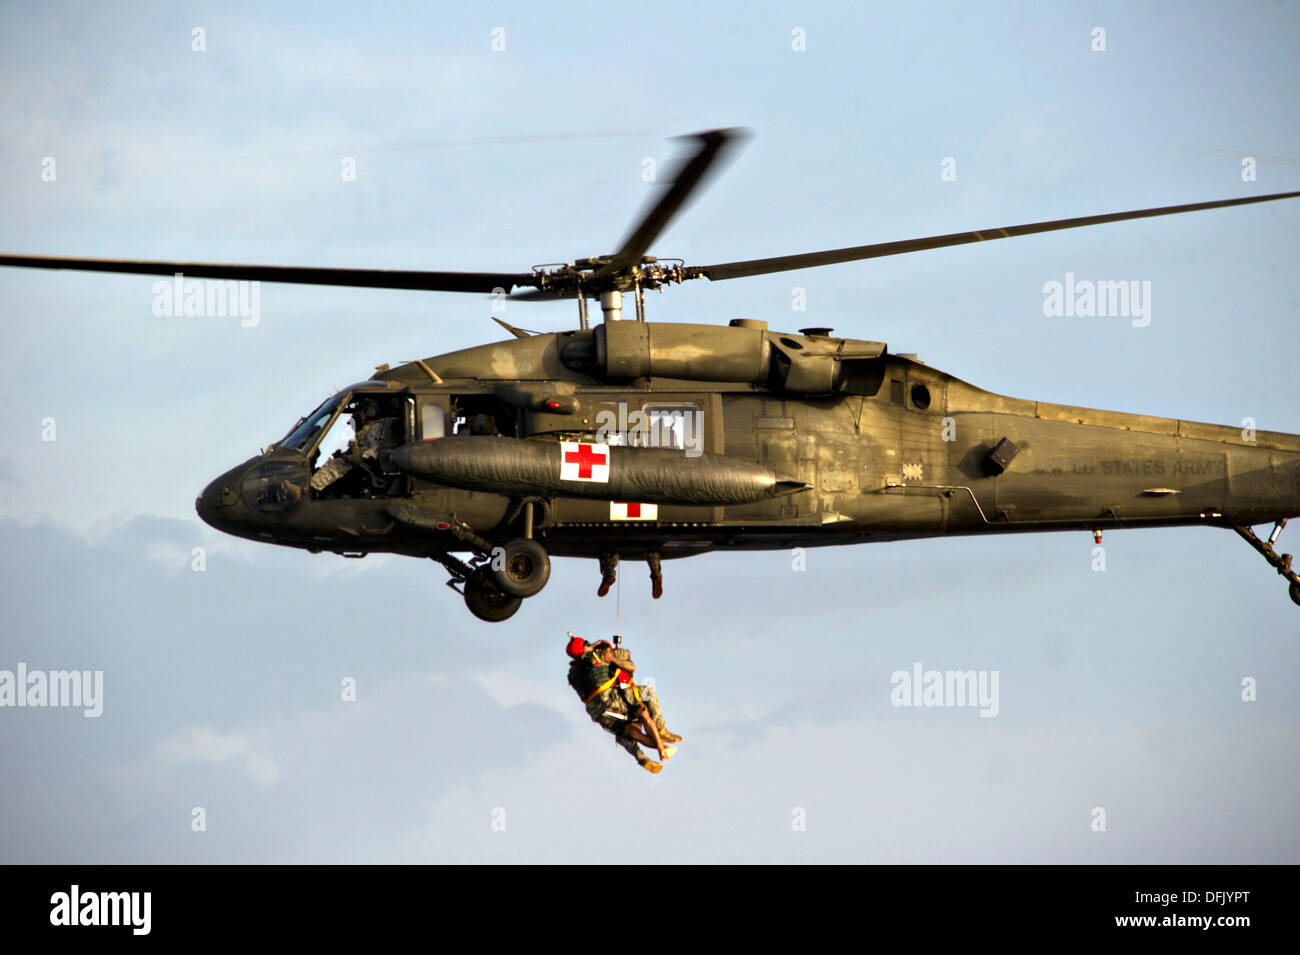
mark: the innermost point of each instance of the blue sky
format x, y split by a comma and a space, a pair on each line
1119, 689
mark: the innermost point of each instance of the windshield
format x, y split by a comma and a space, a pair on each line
310, 427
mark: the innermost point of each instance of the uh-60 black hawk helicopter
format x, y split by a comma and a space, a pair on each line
659, 440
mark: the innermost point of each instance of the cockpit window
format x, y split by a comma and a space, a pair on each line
309, 428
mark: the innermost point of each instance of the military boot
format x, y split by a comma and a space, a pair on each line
608, 573
656, 575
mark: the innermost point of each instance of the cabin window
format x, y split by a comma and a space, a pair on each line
679, 426
482, 415
433, 421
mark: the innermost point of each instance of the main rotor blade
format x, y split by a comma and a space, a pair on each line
808, 260
690, 175
545, 294
359, 278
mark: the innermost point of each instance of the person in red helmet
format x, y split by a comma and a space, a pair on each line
634, 693
604, 684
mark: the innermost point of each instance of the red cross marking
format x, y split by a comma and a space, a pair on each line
584, 458
633, 510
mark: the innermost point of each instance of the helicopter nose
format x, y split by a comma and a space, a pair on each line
218, 497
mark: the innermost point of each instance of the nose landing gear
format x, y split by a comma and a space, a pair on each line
498, 578
486, 600
478, 585
521, 568
496, 581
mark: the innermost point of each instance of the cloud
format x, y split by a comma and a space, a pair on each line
110, 171
202, 744
893, 791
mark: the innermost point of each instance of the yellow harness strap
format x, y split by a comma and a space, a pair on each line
603, 687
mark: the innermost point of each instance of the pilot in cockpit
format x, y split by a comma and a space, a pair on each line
374, 435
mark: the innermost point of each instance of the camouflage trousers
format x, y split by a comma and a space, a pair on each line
611, 711
336, 467
615, 710
331, 471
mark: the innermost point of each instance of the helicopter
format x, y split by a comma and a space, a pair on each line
652, 441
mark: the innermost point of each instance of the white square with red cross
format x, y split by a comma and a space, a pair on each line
580, 461
624, 511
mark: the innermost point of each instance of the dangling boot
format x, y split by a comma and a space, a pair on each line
608, 573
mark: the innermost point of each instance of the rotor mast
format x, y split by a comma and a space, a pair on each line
611, 306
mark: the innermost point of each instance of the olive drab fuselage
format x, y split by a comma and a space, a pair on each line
882, 447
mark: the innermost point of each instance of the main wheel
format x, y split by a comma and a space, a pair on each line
1295, 592
487, 601
525, 568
